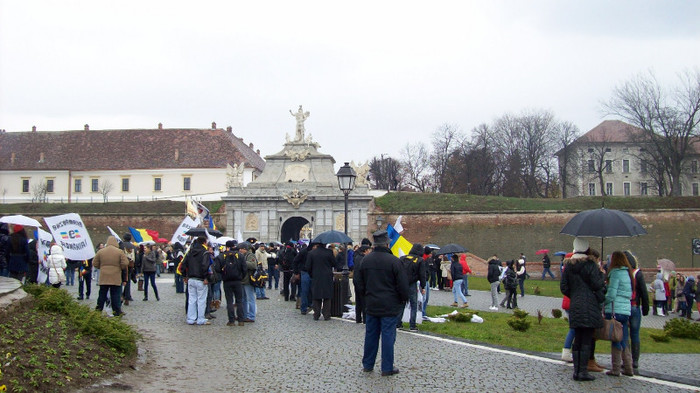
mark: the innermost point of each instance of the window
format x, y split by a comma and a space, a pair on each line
643, 189
626, 166
644, 166
25, 185
694, 166
695, 189
186, 183
608, 166
94, 185
125, 184
49, 185
626, 188
608, 189
157, 184
591, 189
608, 150
78, 185
590, 150
591, 166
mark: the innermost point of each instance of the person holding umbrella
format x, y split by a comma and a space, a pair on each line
546, 264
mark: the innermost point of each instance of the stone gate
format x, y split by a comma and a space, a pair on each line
297, 195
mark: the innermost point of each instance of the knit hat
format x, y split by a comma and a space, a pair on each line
366, 242
580, 245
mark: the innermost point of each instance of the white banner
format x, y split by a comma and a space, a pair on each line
187, 224
71, 234
43, 246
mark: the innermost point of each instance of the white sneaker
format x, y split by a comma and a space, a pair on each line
493, 308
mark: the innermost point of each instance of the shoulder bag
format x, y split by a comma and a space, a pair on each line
611, 330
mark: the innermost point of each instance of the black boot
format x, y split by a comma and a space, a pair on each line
583, 355
635, 357
575, 357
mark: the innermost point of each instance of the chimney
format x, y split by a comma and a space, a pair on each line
160, 126
258, 151
250, 145
12, 158
177, 154
33, 128
213, 125
229, 129
41, 157
87, 127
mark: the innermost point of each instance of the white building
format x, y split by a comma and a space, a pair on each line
123, 165
610, 160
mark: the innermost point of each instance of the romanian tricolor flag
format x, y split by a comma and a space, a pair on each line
398, 244
145, 235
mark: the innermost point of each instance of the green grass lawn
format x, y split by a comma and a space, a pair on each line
546, 287
545, 337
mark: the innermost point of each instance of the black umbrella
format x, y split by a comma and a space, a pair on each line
197, 232
332, 237
451, 248
603, 223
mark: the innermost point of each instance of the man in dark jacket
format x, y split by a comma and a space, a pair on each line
299, 268
233, 270
319, 265
197, 279
414, 267
360, 312
493, 276
4, 248
287, 260
385, 287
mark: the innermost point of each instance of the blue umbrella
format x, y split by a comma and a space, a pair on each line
332, 237
560, 253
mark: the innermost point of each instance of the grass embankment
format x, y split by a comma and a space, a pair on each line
55, 344
407, 202
547, 336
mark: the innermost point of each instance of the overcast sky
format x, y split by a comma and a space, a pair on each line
373, 74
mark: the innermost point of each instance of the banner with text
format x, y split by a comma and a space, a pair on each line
187, 224
43, 247
71, 234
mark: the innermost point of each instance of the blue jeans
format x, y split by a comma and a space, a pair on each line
273, 273
179, 284
413, 301
545, 271
149, 276
216, 290
70, 276
249, 302
635, 324
115, 294
521, 283
259, 292
624, 320
457, 289
569, 337
196, 301
465, 285
305, 291
425, 299
376, 327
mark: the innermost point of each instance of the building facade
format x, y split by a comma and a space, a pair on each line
611, 159
123, 165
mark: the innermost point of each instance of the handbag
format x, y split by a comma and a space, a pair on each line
611, 330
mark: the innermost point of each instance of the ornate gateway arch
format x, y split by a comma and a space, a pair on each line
296, 195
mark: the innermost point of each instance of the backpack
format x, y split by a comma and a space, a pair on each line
259, 278
233, 269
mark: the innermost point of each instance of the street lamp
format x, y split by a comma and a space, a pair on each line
380, 221
346, 183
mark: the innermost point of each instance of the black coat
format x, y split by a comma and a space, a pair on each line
383, 282
494, 273
319, 264
584, 284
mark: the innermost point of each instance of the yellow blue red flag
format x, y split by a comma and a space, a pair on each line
398, 244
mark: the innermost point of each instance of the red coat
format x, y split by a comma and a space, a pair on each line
465, 266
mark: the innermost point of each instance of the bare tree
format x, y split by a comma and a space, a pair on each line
474, 168
445, 139
566, 134
105, 188
416, 166
669, 118
385, 173
39, 192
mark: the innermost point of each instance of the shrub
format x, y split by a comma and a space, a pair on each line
520, 314
461, 317
682, 328
660, 338
518, 321
556, 313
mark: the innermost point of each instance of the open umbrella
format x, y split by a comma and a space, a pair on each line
560, 253
222, 240
332, 237
603, 223
147, 243
433, 246
196, 232
21, 220
452, 248
542, 251
666, 265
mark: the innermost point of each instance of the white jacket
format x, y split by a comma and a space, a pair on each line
56, 264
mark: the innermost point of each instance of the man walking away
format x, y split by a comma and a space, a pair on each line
414, 267
385, 288
197, 279
233, 271
250, 308
494, 272
319, 265
111, 261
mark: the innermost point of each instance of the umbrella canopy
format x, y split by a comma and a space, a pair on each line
603, 223
433, 246
332, 237
452, 248
21, 220
147, 243
196, 232
542, 251
560, 253
666, 264
222, 240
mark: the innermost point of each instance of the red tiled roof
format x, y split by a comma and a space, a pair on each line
612, 131
125, 149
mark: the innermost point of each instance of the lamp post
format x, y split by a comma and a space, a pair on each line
346, 182
380, 221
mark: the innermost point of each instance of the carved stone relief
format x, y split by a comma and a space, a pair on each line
295, 198
251, 222
340, 222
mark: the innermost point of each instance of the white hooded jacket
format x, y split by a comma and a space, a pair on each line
56, 264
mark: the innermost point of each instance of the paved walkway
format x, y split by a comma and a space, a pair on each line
287, 352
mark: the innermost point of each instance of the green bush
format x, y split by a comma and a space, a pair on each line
520, 314
682, 328
518, 321
461, 317
556, 313
660, 338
